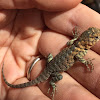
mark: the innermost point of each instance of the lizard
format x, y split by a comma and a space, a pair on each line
75, 51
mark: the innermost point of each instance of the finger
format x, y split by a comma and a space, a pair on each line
80, 16
50, 43
66, 88
52, 40
69, 88
90, 80
56, 5
28, 93
50, 5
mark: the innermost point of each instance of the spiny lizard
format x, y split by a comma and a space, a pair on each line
76, 50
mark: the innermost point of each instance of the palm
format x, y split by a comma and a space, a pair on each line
22, 39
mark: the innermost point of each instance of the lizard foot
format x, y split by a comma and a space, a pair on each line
54, 89
89, 62
76, 35
55, 77
49, 57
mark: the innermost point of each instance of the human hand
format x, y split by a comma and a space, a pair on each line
21, 45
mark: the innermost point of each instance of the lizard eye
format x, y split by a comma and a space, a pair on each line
96, 37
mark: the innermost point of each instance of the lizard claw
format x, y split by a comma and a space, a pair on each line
48, 91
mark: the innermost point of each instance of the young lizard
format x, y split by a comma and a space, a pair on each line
76, 50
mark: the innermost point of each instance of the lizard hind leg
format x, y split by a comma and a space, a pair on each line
54, 78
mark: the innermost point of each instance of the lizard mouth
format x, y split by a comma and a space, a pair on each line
90, 44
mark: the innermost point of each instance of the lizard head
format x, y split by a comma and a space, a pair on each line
90, 37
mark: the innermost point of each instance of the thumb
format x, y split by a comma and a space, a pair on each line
47, 5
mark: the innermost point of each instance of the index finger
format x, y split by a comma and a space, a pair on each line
80, 16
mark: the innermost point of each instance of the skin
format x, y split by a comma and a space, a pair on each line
23, 36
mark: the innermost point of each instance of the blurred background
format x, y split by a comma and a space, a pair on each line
94, 4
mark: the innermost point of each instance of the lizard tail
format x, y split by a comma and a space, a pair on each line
41, 78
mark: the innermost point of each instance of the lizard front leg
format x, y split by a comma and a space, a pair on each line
76, 35
54, 78
49, 58
87, 62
